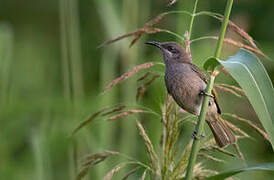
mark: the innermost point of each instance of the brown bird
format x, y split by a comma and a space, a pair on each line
187, 83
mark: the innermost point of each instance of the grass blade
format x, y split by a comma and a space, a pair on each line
251, 75
226, 174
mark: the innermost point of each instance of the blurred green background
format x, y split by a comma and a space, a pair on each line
52, 75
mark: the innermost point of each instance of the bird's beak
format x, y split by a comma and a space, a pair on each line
154, 43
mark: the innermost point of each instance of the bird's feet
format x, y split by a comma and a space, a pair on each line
194, 135
203, 93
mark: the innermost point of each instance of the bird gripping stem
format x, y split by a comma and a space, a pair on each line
201, 119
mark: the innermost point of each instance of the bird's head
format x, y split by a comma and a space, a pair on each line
172, 51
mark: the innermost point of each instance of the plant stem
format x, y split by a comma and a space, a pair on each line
192, 18
201, 119
223, 28
199, 129
6, 53
65, 52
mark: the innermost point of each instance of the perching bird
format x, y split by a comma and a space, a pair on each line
187, 83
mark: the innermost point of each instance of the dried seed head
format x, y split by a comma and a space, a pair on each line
241, 45
128, 75
236, 129
88, 120
91, 160
225, 89
144, 76
209, 157
115, 109
241, 32
250, 124
126, 113
150, 150
110, 174
141, 90
238, 150
147, 29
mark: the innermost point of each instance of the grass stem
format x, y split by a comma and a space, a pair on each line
223, 28
192, 19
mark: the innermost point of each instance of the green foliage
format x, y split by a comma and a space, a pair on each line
210, 64
251, 75
226, 174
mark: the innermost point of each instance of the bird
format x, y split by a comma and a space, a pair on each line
186, 83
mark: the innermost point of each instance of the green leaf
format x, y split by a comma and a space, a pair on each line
226, 174
251, 75
211, 63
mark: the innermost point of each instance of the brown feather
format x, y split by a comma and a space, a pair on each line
222, 134
203, 76
214, 93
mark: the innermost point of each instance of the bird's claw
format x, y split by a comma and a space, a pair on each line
203, 93
194, 135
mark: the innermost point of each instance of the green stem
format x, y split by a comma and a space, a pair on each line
199, 129
65, 52
172, 33
192, 18
201, 119
223, 28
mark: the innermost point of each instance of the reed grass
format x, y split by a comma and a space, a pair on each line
6, 51
129, 57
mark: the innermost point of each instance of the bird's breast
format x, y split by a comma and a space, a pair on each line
185, 86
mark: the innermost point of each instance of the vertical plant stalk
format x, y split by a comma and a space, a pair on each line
75, 50
109, 60
188, 34
6, 52
223, 28
192, 19
128, 89
71, 50
201, 119
64, 51
199, 129
71, 64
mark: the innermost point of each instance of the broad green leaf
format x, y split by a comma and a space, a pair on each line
251, 75
211, 63
226, 174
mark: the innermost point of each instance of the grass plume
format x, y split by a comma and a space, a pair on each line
154, 160
250, 124
92, 160
141, 89
115, 109
110, 174
128, 75
88, 120
126, 113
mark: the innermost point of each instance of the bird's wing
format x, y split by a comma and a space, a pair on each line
203, 76
214, 93
200, 73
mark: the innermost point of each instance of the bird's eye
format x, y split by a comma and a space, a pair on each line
172, 49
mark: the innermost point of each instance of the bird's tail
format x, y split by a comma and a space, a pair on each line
222, 134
